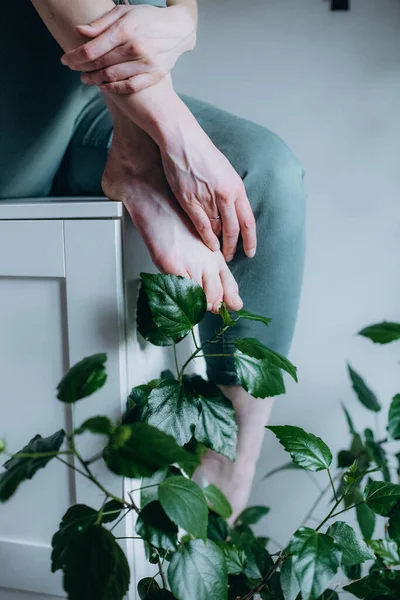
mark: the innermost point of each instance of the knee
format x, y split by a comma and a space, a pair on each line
275, 183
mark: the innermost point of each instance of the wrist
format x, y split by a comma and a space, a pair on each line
185, 20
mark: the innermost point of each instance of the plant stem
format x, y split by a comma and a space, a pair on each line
93, 459
176, 360
331, 512
70, 466
38, 454
346, 509
264, 582
199, 348
122, 517
333, 487
162, 574
195, 341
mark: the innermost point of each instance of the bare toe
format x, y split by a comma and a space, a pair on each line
231, 291
213, 290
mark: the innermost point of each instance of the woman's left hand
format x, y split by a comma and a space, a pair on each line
132, 47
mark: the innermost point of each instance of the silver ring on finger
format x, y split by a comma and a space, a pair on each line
215, 218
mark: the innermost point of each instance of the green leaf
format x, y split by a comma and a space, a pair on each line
290, 585
171, 410
387, 550
354, 549
177, 304
18, 468
329, 595
83, 379
235, 558
259, 561
76, 519
160, 595
353, 572
252, 347
217, 529
364, 394
226, 317
149, 485
239, 586
245, 314
377, 585
94, 566
252, 515
258, 377
382, 333
306, 450
217, 427
111, 511
316, 560
381, 496
144, 452
198, 572
147, 328
349, 420
197, 450
146, 586
366, 518
217, 501
154, 526
394, 523
394, 418
377, 453
101, 425
185, 504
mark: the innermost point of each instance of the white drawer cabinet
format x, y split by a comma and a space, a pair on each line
63, 284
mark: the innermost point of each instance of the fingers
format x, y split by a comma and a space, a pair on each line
230, 228
118, 72
232, 298
247, 225
93, 50
133, 84
100, 25
203, 225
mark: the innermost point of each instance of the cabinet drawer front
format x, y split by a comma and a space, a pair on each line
31, 249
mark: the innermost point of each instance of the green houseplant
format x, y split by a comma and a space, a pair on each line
167, 426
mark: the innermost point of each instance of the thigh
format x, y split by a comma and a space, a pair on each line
85, 158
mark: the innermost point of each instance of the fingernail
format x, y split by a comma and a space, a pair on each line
251, 253
64, 62
228, 258
209, 306
237, 299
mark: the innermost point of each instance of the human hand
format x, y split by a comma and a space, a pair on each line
132, 47
209, 190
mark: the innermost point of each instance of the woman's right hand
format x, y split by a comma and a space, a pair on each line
209, 190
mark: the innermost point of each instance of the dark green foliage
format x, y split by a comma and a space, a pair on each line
217, 501
146, 586
364, 394
154, 526
83, 379
306, 450
19, 468
101, 425
252, 515
382, 333
185, 504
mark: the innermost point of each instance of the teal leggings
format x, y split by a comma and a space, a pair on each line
59, 146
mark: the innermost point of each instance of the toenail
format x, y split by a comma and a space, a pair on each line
251, 253
215, 247
209, 306
237, 299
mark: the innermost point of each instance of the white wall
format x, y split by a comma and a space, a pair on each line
329, 84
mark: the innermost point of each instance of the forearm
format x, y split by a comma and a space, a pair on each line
157, 110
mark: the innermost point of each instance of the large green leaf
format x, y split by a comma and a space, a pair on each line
217, 501
364, 394
381, 496
20, 467
83, 379
217, 530
77, 518
154, 526
149, 485
316, 560
111, 511
173, 411
382, 333
143, 451
258, 377
217, 427
394, 418
245, 314
147, 328
376, 586
387, 550
94, 566
290, 585
177, 304
100, 425
252, 347
146, 586
354, 549
252, 514
307, 450
235, 558
394, 524
185, 504
198, 572
366, 517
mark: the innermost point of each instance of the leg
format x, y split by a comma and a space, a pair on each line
269, 283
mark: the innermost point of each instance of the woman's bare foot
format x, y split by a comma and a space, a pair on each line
134, 175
